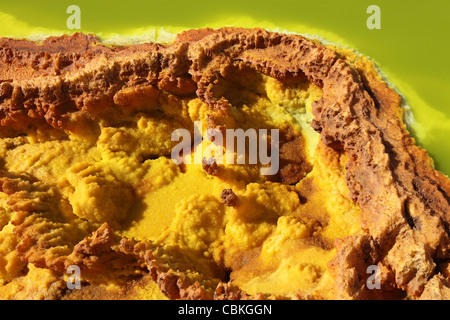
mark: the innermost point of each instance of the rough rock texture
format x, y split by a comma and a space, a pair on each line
70, 81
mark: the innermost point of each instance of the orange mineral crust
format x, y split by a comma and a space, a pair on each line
87, 182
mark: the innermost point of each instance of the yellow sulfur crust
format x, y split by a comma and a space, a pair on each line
121, 173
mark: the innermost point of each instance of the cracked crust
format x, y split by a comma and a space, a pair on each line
71, 81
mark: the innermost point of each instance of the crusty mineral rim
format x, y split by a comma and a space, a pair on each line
404, 201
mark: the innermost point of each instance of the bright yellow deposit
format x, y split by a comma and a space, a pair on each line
276, 240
